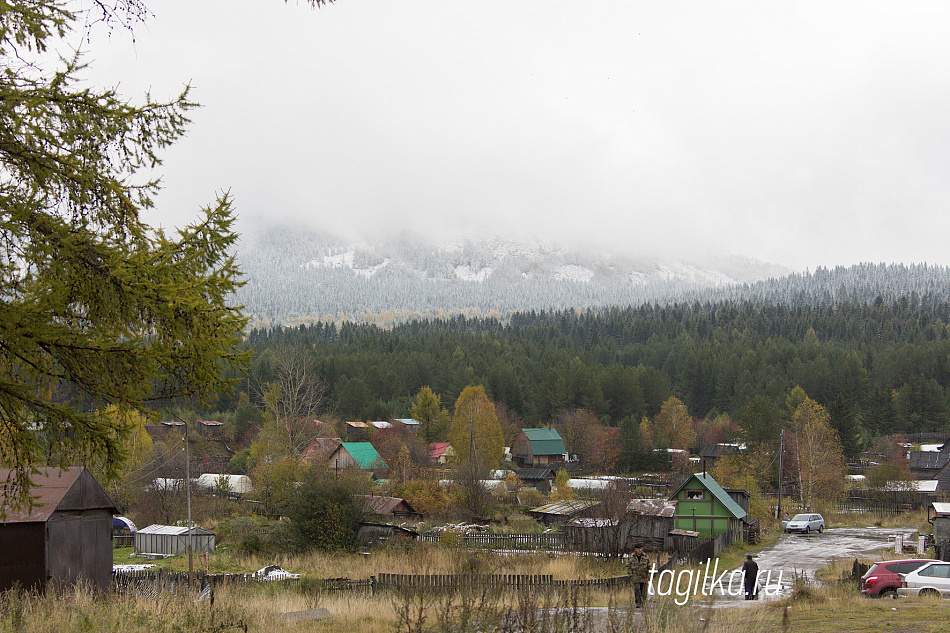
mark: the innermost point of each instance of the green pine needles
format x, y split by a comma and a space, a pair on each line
96, 306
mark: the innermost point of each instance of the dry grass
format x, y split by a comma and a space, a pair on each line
261, 608
917, 518
413, 558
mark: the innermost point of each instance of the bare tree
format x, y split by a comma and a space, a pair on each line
292, 398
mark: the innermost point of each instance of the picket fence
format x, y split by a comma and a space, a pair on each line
153, 583
492, 581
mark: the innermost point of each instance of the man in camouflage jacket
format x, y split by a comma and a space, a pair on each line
638, 567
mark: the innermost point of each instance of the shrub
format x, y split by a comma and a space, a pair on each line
327, 511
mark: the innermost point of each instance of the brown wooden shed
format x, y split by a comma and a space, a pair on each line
66, 537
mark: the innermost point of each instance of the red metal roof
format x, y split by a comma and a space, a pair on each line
436, 449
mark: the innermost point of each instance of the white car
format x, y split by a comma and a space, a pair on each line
805, 523
933, 579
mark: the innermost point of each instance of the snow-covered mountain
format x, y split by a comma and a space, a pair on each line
296, 275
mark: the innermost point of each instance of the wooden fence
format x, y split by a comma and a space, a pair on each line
123, 541
560, 542
553, 541
711, 547
867, 506
499, 581
153, 582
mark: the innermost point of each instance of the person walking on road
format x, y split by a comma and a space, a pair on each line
750, 574
638, 567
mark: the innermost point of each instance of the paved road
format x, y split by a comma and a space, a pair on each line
803, 555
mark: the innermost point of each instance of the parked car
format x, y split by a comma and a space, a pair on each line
884, 578
932, 579
805, 523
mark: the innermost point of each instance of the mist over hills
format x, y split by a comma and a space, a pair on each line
296, 275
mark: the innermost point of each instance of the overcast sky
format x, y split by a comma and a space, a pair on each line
801, 133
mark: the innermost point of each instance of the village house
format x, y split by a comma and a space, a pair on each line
410, 424
319, 450
441, 452
538, 447
703, 506
360, 455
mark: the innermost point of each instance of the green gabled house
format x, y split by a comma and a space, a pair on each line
703, 506
534, 447
360, 455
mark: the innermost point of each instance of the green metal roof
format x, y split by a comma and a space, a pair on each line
364, 455
713, 486
545, 441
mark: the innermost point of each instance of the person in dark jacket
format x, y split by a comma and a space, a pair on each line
750, 573
638, 567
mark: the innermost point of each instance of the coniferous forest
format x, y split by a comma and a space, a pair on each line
883, 364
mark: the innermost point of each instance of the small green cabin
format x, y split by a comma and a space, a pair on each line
703, 506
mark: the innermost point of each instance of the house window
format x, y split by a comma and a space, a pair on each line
694, 494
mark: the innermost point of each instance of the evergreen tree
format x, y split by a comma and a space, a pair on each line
96, 306
427, 410
760, 420
844, 421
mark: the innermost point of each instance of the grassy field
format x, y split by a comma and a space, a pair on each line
833, 607
420, 558
261, 608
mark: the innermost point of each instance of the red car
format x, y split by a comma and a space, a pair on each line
884, 578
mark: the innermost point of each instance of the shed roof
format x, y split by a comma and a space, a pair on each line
408, 421
364, 455
385, 505
535, 474
545, 441
58, 490
652, 507
566, 508
941, 508
721, 495
174, 530
923, 485
926, 460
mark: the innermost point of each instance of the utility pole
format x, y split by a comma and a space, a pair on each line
781, 472
191, 567
190, 539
